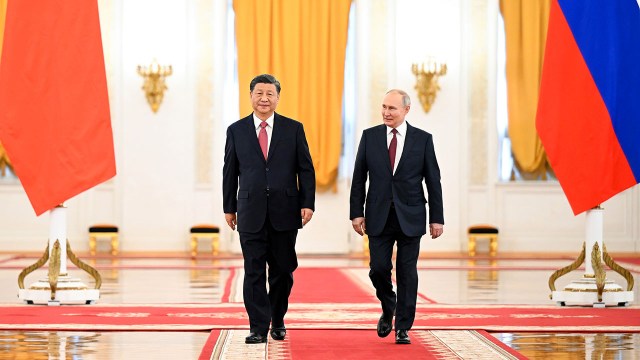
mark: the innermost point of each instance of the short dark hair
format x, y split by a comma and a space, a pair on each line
265, 79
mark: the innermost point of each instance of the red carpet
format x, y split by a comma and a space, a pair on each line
208, 347
351, 344
313, 286
357, 345
328, 285
319, 316
628, 260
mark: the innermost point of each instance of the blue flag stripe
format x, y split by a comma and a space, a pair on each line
608, 35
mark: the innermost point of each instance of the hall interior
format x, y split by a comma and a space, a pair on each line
455, 281
169, 166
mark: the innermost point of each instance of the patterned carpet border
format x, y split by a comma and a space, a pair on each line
319, 316
329, 344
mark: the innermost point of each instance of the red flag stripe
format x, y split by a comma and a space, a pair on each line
574, 124
55, 121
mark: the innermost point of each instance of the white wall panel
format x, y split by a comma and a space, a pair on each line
157, 167
423, 29
20, 229
535, 217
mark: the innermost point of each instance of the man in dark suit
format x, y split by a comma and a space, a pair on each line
269, 181
397, 158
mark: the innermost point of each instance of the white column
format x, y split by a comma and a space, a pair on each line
594, 221
58, 231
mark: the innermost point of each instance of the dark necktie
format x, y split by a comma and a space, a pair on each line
393, 145
262, 138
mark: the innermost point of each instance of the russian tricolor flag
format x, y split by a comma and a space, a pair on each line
589, 109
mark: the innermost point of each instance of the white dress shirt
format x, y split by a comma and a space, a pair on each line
269, 128
400, 136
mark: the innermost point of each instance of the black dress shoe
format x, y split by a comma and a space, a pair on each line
255, 338
278, 333
402, 337
384, 325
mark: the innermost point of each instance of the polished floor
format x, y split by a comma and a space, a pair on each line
177, 279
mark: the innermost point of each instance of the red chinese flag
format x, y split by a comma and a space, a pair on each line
54, 107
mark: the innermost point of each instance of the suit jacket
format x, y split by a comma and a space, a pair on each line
279, 186
417, 163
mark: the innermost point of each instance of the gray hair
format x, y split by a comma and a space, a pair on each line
406, 100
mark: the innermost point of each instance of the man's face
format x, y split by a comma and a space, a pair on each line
393, 112
264, 100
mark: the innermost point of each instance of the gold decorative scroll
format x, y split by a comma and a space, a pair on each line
565, 270
29, 269
54, 268
598, 269
617, 268
4, 161
84, 266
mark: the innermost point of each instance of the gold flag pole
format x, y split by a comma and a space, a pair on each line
59, 288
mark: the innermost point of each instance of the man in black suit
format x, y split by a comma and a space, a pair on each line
396, 157
269, 181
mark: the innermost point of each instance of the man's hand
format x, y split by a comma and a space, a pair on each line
306, 215
231, 220
436, 230
359, 225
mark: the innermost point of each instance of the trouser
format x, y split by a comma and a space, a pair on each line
277, 250
381, 251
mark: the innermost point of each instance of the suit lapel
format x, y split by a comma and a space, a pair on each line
276, 134
381, 140
409, 141
250, 129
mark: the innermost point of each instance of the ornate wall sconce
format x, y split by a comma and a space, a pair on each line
427, 75
154, 85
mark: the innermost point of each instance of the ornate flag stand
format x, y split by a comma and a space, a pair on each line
593, 289
586, 120
59, 288
59, 49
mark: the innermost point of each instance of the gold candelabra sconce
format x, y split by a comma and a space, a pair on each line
427, 75
154, 82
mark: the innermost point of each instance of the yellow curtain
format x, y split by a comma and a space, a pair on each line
4, 159
525, 23
303, 44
